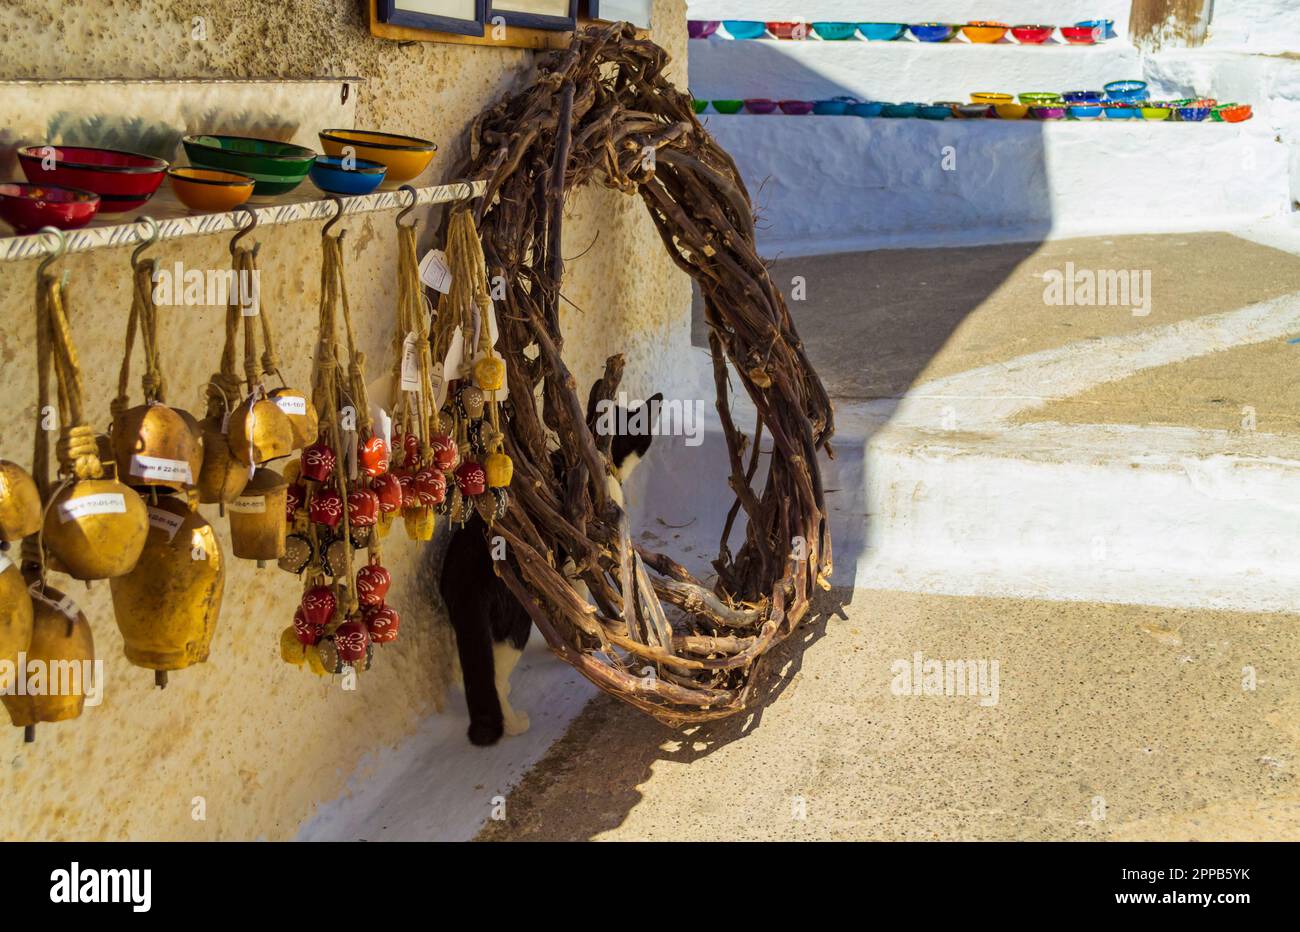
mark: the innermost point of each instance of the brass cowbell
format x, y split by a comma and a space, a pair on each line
153, 445
20, 503
257, 518
60, 659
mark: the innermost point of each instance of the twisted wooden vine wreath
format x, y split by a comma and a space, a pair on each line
602, 109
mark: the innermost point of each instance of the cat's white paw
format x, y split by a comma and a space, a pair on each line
516, 723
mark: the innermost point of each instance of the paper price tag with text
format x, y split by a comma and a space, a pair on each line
434, 271
411, 362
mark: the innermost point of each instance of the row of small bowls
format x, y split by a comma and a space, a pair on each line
68, 185
1087, 32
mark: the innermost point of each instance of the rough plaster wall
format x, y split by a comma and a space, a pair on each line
261, 741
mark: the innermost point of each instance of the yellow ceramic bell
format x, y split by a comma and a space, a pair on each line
168, 606
15, 610
500, 470
301, 413
221, 477
60, 663
153, 445
419, 523
20, 503
96, 528
291, 649
489, 373
258, 522
259, 432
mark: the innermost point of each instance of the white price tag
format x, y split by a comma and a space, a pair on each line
166, 521
155, 467
248, 505
105, 503
434, 271
65, 606
439, 386
292, 404
411, 363
455, 358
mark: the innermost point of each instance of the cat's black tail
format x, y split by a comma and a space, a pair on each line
478, 666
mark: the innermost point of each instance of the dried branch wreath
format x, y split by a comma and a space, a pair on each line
603, 110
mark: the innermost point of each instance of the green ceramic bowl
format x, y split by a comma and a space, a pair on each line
277, 167
1039, 98
728, 106
700, 105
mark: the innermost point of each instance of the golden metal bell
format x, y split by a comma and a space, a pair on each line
167, 607
64, 649
259, 432
301, 413
153, 445
489, 373
500, 470
221, 477
15, 611
258, 523
20, 503
96, 528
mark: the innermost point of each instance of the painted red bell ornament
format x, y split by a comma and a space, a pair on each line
326, 508
373, 582
471, 479
382, 623
318, 462
410, 451
306, 633
406, 479
388, 489
445, 452
351, 640
372, 456
294, 498
317, 609
430, 487
363, 508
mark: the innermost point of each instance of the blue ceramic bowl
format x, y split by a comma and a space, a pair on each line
830, 107
835, 32
881, 32
1126, 90
1108, 26
1082, 97
1085, 111
1123, 112
934, 111
932, 32
1193, 114
898, 111
866, 108
745, 28
328, 174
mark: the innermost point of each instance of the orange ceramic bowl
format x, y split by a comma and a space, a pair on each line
990, 97
984, 32
209, 189
405, 156
1011, 111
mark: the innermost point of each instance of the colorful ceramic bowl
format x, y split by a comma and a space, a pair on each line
1106, 27
28, 207
1122, 110
882, 32
1156, 113
744, 28
277, 167
830, 107
1082, 35
209, 189
1231, 113
759, 105
982, 32
795, 107
835, 32
1032, 35
973, 111
867, 108
1126, 90
899, 111
990, 97
1192, 114
701, 28
788, 29
932, 32
1085, 111
334, 175
1082, 97
699, 105
935, 111
1040, 97
404, 156
1047, 112
728, 106
1011, 111
123, 180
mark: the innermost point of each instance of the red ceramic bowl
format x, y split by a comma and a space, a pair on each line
1082, 35
1032, 35
28, 207
786, 30
123, 180
795, 107
760, 105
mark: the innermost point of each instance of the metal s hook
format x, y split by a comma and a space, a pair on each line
252, 218
402, 214
57, 251
145, 242
338, 215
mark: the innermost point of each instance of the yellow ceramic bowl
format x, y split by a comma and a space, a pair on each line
990, 97
209, 189
984, 32
405, 156
1011, 111
1156, 113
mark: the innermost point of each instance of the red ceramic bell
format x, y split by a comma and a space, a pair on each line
410, 451
303, 630
372, 456
318, 462
430, 487
445, 452
382, 623
372, 584
471, 479
326, 508
388, 489
351, 640
406, 479
363, 508
294, 497
318, 606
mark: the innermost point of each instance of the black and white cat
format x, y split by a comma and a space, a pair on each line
491, 626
